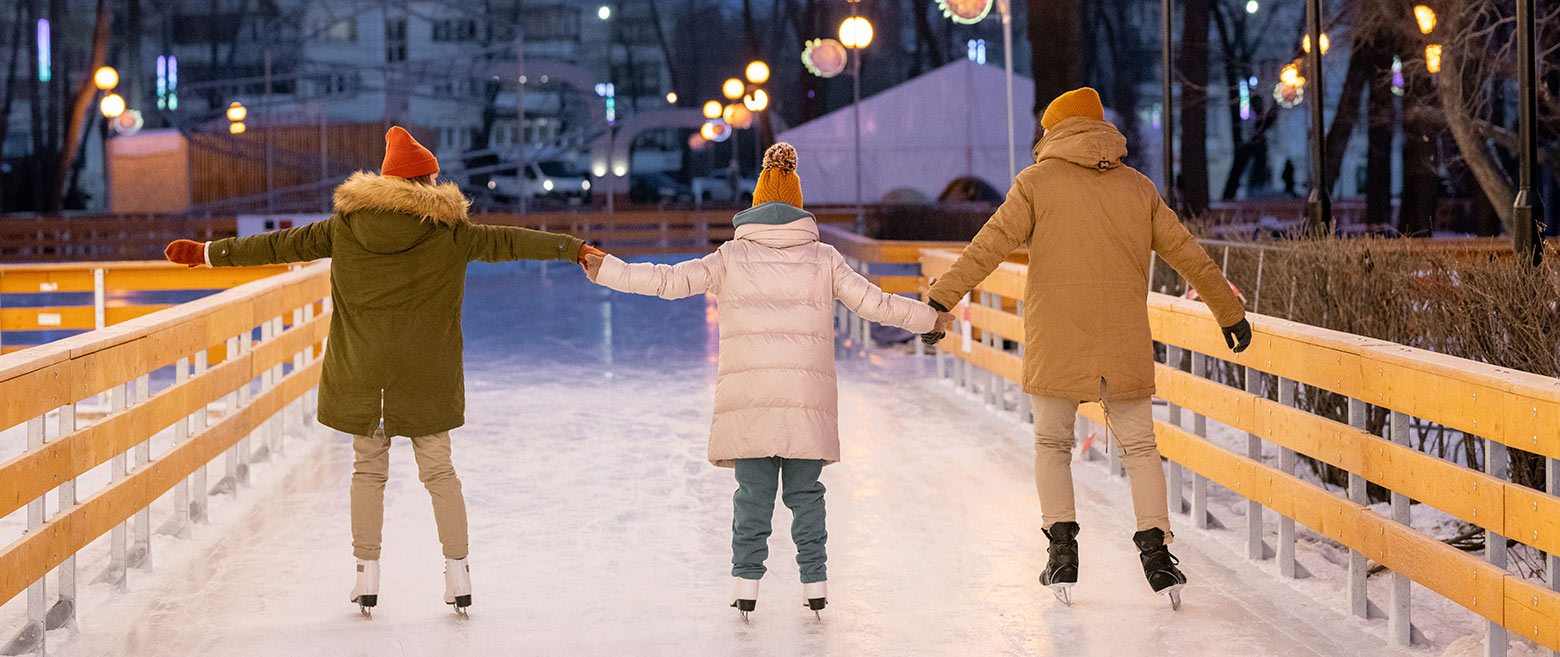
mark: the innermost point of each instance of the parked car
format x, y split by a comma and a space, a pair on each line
657, 187
559, 179
715, 189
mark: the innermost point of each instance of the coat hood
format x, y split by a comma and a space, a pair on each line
389, 214
1086, 142
771, 212
780, 236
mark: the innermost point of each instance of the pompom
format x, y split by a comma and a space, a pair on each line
781, 156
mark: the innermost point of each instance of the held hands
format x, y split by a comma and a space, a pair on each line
940, 329
1238, 337
186, 252
593, 265
584, 258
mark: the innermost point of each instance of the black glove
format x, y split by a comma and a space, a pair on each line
930, 339
1238, 337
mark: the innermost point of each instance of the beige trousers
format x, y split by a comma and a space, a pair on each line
371, 469
1132, 424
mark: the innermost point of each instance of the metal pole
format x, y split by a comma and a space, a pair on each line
855, 108
1525, 213
265, 113
1007, 67
1167, 115
1320, 204
520, 113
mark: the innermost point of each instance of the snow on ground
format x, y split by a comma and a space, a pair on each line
598, 528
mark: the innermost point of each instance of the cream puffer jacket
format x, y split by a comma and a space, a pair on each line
775, 285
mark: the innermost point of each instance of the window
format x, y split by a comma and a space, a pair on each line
341, 31
461, 29
395, 39
555, 23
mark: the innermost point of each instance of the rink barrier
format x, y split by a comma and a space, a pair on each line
214, 409
108, 282
862, 253
1504, 408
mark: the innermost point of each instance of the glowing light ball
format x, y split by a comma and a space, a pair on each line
824, 58
967, 12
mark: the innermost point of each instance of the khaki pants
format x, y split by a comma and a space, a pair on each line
371, 469
1132, 424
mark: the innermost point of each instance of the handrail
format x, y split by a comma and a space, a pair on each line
210, 410
1505, 408
106, 281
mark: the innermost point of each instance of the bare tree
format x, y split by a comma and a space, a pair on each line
1193, 67
85, 91
1057, 52
10, 84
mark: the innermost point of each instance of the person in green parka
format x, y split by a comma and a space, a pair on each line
399, 243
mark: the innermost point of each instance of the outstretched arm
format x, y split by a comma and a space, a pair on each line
873, 304
299, 244
1008, 229
505, 243
683, 279
1177, 246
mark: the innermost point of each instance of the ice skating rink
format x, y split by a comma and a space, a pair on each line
599, 529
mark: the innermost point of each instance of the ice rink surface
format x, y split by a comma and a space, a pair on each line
598, 528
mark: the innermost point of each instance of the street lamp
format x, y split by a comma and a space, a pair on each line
106, 78
1305, 43
756, 101
112, 106
712, 109
236, 112
671, 97
732, 89
604, 12
757, 72
856, 34
1425, 16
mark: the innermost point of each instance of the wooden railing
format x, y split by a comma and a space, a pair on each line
1503, 408
210, 404
109, 283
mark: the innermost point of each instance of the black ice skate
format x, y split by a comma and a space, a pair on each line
1061, 566
1159, 566
745, 597
365, 592
817, 595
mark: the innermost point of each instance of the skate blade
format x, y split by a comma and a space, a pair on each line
1174, 593
744, 615
1063, 592
368, 612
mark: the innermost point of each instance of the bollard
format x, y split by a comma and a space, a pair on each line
1254, 508
1359, 601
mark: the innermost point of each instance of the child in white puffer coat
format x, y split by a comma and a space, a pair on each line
776, 401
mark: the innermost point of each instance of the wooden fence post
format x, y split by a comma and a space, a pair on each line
1254, 509
1359, 599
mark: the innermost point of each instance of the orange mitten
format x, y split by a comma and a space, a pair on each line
186, 252
586, 249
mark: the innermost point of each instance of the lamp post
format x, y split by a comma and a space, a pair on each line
732, 90
970, 14
1167, 111
856, 34
1525, 212
1319, 206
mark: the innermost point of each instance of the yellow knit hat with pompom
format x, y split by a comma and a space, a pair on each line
778, 182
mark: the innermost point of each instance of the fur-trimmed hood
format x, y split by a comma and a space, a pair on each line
442, 203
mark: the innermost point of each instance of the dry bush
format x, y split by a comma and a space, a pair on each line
1485, 308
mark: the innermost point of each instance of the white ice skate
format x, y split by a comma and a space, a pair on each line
365, 593
817, 595
745, 597
457, 584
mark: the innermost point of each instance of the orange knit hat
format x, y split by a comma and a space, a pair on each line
405, 158
1084, 101
779, 182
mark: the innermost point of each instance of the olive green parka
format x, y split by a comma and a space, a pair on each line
398, 253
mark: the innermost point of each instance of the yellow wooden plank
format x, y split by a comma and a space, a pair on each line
1532, 517
187, 278
1007, 325
1532, 424
34, 473
14, 279
1532, 612
32, 556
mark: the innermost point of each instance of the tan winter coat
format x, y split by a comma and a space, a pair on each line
775, 285
1090, 223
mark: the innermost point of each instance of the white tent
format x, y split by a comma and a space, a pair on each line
922, 134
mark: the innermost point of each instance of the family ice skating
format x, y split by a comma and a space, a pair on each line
923, 328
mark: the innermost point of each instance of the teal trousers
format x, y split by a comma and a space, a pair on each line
754, 507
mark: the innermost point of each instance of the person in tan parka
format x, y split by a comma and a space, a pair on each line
1090, 223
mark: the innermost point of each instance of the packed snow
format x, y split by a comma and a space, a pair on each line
598, 528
